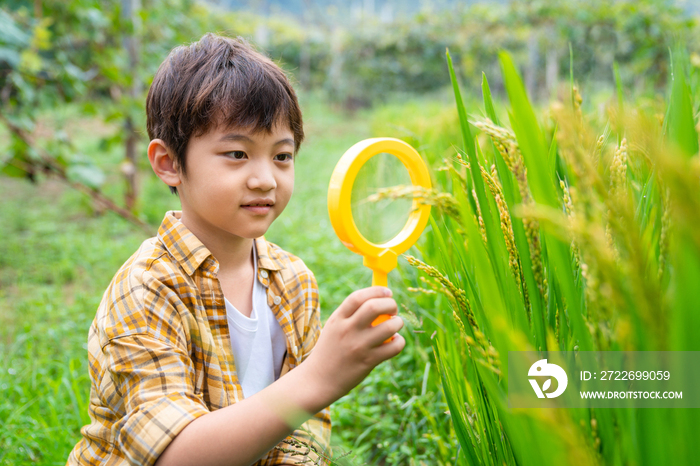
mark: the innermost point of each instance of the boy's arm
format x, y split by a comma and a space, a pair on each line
347, 350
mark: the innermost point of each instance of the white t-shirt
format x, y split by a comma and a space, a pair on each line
258, 342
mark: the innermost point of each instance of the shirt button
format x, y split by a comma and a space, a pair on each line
276, 300
263, 273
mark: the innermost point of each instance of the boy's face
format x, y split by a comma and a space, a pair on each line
238, 182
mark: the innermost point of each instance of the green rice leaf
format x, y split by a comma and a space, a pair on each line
680, 122
529, 136
452, 387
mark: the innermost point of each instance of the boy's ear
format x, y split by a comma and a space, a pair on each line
163, 163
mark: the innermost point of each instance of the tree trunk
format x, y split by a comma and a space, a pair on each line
129, 12
335, 71
552, 70
532, 64
305, 65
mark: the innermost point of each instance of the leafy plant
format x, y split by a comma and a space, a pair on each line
579, 239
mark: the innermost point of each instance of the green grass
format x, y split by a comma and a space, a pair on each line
58, 254
54, 259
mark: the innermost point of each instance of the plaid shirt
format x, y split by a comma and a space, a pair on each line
159, 349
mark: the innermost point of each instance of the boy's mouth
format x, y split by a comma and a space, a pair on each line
259, 206
260, 202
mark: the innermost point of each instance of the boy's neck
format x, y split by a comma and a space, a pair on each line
232, 252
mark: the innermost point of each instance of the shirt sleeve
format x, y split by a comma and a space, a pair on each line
148, 370
311, 441
154, 381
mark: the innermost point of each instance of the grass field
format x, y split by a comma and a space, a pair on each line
57, 256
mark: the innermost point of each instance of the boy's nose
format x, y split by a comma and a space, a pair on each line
262, 178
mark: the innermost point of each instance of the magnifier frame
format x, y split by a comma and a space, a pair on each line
381, 258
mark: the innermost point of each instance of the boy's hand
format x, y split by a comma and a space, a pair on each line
349, 347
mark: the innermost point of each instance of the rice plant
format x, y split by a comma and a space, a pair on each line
581, 237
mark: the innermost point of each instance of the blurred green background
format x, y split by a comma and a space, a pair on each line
77, 195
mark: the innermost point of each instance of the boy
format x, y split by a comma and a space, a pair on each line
201, 349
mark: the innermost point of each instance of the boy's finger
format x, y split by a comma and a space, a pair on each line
373, 308
357, 298
378, 335
390, 349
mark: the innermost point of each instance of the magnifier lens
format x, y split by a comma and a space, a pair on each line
382, 257
380, 220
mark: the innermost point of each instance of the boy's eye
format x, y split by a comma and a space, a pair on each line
237, 154
284, 156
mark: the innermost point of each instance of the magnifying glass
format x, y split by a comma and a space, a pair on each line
380, 258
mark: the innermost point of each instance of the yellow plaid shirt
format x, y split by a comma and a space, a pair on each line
159, 349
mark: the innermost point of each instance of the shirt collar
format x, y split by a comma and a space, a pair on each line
268, 257
190, 252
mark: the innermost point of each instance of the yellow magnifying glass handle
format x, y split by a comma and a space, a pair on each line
380, 258
379, 278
